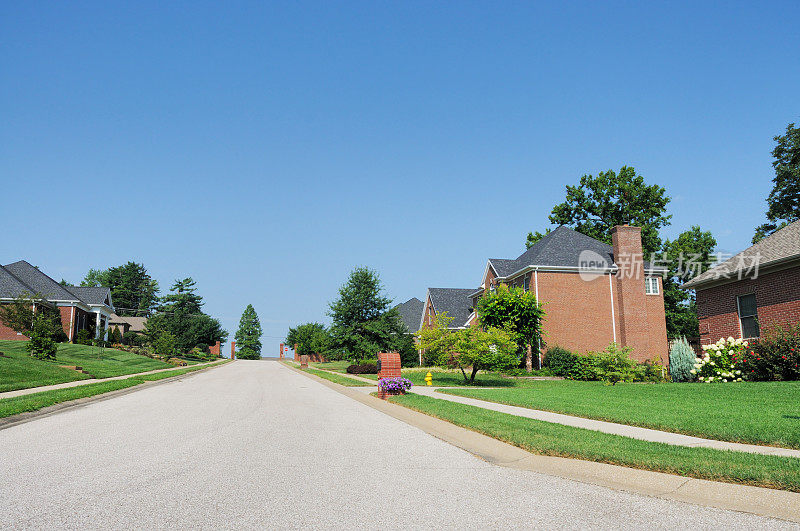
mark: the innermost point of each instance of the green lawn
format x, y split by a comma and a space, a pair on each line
565, 441
752, 412
336, 366
36, 401
337, 378
19, 371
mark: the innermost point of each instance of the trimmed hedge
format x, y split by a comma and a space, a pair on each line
363, 368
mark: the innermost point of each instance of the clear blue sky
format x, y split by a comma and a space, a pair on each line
265, 149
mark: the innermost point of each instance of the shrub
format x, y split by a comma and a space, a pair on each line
82, 337
775, 357
559, 360
363, 368
177, 362
681, 361
719, 361
164, 345
649, 371
41, 344
614, 364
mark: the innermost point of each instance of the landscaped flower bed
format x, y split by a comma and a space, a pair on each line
394, 386
719, 361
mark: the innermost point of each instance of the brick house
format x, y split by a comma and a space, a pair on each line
753, 291
593, 293
79, 306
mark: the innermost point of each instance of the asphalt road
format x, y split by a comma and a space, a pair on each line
256, 445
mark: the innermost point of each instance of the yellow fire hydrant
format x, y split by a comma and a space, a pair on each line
429, 379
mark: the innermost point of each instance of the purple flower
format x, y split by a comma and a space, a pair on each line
395, 385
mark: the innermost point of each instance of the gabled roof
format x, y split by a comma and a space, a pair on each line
455, 301
779, 247
92, 295
411, 313
560, 248
11, 287
39, 283
136, 323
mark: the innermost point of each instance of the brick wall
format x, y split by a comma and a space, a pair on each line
777, 298
8, 334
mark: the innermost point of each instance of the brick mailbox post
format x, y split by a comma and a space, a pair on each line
304, 361
233, 350
388, 367
281, 351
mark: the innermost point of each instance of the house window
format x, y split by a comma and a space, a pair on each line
651, 285
748, 315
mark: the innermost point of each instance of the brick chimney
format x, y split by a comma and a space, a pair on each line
632, 316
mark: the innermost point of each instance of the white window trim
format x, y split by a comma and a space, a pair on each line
651, 286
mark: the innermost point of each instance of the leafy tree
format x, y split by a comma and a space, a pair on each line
783, 203
518, 312
41, 344
534, 237
311, 338
165, 344
133, 290
363, 321
248, 337
473, 348
114, 336
599, 203
686, 257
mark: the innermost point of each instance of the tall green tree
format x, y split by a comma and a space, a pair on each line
783, 203
687, 256
133, 290
180, 314
597, 204
310, 338
518, 312
248, 336
363, 321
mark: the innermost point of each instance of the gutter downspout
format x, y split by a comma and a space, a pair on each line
613, 321
538, 339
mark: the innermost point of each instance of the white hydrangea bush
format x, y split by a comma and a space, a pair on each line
719, 361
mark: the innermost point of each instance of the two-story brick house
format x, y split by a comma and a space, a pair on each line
593, 293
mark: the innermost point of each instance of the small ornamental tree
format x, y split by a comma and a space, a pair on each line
518, 312
248, 337
41, 346
471, 348
164, 344
681, 361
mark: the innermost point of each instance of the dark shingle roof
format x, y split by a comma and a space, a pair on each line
91, 295
411, 313
455, 301
11, 287
561, 248
778, 247
39, 283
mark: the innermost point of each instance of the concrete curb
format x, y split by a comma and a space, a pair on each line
22, 418
729, 496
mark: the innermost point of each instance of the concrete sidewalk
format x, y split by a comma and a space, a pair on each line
78, 383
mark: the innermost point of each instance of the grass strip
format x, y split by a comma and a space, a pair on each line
766, 413
37, 401
566, 441
337, 378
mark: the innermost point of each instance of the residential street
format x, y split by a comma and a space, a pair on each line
254, 444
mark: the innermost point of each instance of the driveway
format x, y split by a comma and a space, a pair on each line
254, 444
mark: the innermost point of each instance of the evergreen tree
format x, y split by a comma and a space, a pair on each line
363, 322
783, 203
133, 290
248, 337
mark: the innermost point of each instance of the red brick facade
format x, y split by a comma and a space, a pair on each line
777, 299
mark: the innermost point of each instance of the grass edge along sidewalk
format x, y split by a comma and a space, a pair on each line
37, 401
331, 376
550, 439
760, 413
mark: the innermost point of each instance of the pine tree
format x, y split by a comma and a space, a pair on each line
248, 337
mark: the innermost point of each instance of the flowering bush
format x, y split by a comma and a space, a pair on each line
720, 361
775, 357
395, 386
